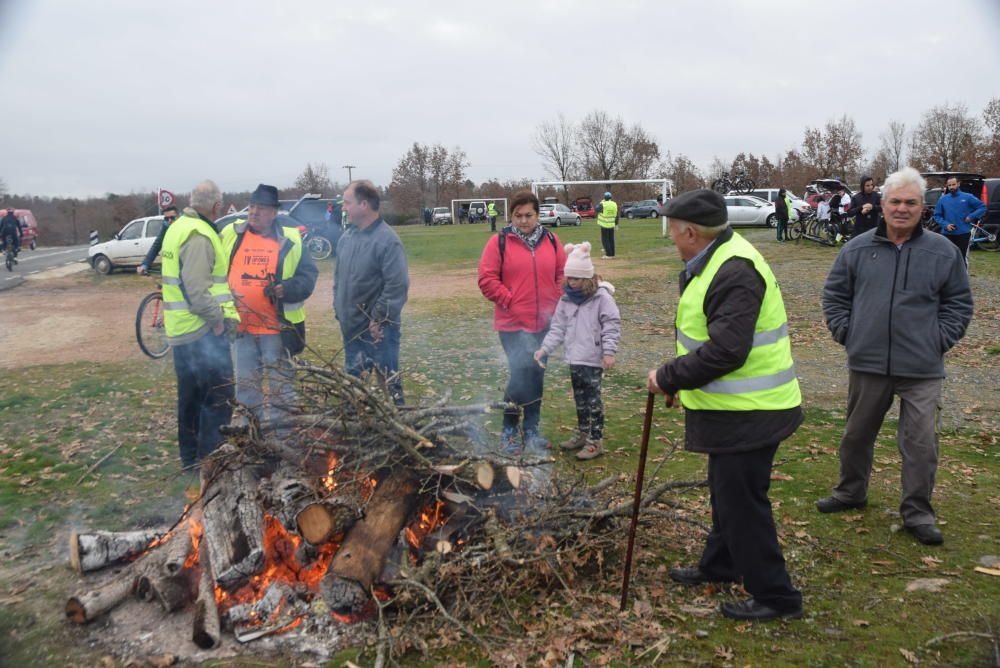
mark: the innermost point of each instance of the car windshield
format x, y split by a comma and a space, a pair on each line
547, 207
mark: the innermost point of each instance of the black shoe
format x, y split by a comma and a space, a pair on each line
692, 575
756, 612
833, 505
928, 534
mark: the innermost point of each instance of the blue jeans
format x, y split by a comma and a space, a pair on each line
204, 391
362, 354
527, 380
260, 358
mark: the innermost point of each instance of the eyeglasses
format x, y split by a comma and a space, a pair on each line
908, 203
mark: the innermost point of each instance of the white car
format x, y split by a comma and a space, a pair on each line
557, 214
771, 194
747, 210
128, 248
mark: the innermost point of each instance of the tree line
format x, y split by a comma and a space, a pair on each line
600, 147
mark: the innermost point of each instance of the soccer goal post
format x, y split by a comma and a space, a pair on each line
501, 213
666, 188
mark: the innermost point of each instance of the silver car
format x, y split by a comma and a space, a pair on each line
747, 210
557, 214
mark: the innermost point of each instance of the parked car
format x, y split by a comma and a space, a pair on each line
647, 208
309, 210
477, 212
129, 246
558, 214
625, 206
29, 226
748, 210
827, 186
771, 195
585, 207
986, 189
441, 216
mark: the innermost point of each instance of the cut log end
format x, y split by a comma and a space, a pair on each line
319, 522
484, 475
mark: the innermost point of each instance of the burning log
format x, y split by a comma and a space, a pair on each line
233, 521
319, 522
205, 631
99, 549
362, 555
85, 607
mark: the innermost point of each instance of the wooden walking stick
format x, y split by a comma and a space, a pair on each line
643, 448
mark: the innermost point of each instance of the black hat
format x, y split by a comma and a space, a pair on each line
701, 207
265, 195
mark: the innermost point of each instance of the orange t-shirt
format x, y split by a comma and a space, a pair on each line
253, 268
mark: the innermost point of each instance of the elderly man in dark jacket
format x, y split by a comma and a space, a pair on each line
735, 377
865, 207
370, 287
898, 299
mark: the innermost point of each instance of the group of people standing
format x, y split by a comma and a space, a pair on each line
897, 298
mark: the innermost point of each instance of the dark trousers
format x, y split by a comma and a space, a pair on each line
869, 397
743, 543
362, 354
493, 223
205, 392
527, 379
608, 240
782, 224
962, 241
587, 396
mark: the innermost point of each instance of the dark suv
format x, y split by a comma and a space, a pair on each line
987, 190
308, 211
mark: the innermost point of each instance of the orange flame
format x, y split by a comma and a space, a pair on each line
329, 482
196, 530
431, 517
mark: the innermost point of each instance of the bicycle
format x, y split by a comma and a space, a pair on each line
319, 247
150, 331
742, 184
987, 239
797, 228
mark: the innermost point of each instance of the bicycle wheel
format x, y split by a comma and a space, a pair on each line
319, 247
744, 186
9, 261
984, 242
795, 230
149, 329
721, 186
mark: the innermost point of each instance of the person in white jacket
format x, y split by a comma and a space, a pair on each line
588, 325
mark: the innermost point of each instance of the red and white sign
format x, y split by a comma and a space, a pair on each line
166, 198
232, 209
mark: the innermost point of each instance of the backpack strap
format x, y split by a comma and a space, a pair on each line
502, 247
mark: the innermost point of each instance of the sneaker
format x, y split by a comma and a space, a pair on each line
593, 448
535, 441
578, 441
508, 442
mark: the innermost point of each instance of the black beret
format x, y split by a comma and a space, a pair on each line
701, 207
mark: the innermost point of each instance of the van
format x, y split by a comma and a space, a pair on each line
29, 226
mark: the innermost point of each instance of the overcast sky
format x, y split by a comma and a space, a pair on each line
129, 95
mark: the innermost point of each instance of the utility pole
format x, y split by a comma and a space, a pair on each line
349, 168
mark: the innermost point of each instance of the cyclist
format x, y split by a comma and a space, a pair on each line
170, 214
10, 232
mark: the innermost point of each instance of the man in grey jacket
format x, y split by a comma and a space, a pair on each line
370, 287
898, 299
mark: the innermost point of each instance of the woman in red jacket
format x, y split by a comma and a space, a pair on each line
521, 272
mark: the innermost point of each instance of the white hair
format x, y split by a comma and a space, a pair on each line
205, 195
907, 176
701, 231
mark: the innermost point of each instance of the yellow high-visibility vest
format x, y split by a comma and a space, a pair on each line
608, 214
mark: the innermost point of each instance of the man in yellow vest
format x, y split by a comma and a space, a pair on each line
607, 220
270, 278
198, 310
734, 376
491, 213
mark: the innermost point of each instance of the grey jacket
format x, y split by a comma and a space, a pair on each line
588, 331
898, 310
371, 280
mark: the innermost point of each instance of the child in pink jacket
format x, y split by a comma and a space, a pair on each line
588, 325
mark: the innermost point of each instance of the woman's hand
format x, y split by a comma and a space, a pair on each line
608, 361
540, 357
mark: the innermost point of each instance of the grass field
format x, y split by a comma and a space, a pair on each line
854, 569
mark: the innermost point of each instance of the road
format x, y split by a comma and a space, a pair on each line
32, 262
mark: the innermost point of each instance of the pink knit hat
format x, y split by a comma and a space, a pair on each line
578, 264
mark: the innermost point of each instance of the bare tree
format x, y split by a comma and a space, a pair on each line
3, 188
989, 162
313, 179
608, 150
893, 145
554, 141
425, 175
683, 173
835, 150
946, 139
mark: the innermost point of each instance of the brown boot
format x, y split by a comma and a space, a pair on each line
578, 441
593, 448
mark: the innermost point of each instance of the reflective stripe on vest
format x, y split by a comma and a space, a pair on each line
767, 380
608, 214
178, 320
293, 312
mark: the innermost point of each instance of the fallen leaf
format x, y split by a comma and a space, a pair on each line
909, 656
883, 562
781, 476
926, 584
988, 571
931, 562
861, 623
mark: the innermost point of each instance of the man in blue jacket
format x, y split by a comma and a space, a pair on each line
955, 212
897, 298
